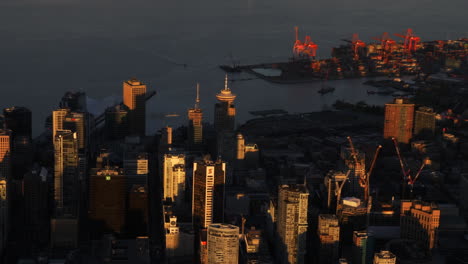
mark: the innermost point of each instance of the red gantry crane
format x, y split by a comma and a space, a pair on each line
307, 48
365, 180
387, 45
411, 40
356, 45
407, 178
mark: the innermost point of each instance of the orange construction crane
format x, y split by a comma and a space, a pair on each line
339, 189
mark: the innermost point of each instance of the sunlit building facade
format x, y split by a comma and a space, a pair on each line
399, 117
223, 244
134, 97
174, 178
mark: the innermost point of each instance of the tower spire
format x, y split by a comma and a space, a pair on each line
197, 101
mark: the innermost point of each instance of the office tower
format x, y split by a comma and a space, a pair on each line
57, 120
78, 123
292, 222
179, 239
225, 111
329, 238
107, 198
172, 236
195, 127
75, 101
36, 209
208, 192
66, 173
136, 168
4, 208
137, 212
116, 122
5, 154
420, 221
399, 120
363, 247
134, 97
223, 244
424, 123
165, 143
174, 178
384, 257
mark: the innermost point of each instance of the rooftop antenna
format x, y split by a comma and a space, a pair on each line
226, 82
197, 101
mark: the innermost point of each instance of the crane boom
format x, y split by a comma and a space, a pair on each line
340, 187
403, 170
369, 173
353, 150
413, 180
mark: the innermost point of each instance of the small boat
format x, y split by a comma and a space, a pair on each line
325, 90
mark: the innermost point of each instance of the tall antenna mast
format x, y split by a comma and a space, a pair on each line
226, 82
197, 101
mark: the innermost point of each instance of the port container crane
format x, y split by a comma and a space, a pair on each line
411, 41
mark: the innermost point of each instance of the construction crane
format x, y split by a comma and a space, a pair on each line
339, 189
387, 45
356, 45
307, 48
411, 40
407, 178
365, 180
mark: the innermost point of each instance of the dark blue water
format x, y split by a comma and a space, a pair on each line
51, 46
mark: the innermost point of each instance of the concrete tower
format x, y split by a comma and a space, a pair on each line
195, 127
225, 111
223, 244
134, 97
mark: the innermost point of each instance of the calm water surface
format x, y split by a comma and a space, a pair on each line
51, 46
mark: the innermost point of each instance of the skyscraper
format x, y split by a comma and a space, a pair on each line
384, 257
4, 208
116, 122
174, 178
75, 101
136, 168
225, 111
66, 173
134, 97
424, 123
107, 197
57, 120
358, 170
208, 192
329, 238
363, 247
5, 154
292, 222
420, 221
223, 244
19, 120
195, 127
78, 122
398, 123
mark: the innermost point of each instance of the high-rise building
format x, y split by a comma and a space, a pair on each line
116, 122
292, 223
398, 123
66, 173
36, 209
78, 123
4, 208
363, 247
225, 111
137, 212
420, 221
134, 97
57, 120
424, 123
384, 257
195, 126
136, 168
107, 197
5, 154
223, 244
174, 178
208, 192
329, 238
